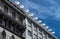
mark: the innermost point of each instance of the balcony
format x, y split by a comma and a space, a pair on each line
15, 29
21, 23
9, 36
9, 17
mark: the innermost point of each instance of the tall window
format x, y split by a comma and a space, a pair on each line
12, 27
49, 36
19, 17
29, 33
12, 37
18, 30
13, 14
35, 36
40, 31
30, 23
0, 4
9, 24
6, 9
45, 35
3, 35
40, 38
35, 28
0, 19
4, 22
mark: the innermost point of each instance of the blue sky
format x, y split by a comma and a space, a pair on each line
47, 10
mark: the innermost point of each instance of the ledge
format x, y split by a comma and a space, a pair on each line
23, 27
12, 32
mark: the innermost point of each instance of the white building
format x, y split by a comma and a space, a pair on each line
36, 31
14, 22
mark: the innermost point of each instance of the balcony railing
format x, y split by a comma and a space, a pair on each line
10, 37
10, 15
22, 24
11, 31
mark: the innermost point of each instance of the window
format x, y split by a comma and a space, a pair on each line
45, 35
3, 35
19, 17
40, 31
0, 4
4, 22
35, 28
35, 36
18, 30
40, 38
0, 20
29, 33
12, 27
24, 23
13, 14
6, 9
12, 37
30, 23
9, 24
50, 37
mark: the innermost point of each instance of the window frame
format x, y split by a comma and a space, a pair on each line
3, 34
29, 33
5, 8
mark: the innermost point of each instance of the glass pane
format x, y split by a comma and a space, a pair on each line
6, 9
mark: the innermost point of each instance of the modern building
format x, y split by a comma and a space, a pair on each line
11, 21
34, 30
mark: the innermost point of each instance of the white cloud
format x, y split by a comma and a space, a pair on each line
44, 11
29, 4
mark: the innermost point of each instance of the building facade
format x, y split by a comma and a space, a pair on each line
11, 21
35, 30
15, 24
